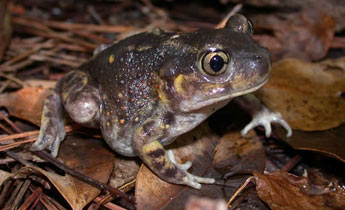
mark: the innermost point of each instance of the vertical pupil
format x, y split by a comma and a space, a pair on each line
216, 63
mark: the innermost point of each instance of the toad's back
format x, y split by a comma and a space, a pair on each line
127, 76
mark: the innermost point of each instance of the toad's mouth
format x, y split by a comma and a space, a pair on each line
202, 103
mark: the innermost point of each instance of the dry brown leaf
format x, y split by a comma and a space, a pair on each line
307, 94
125, 170
305, 35
284, 191
26, 103
89, 157
241, 154
330, 142
3, 176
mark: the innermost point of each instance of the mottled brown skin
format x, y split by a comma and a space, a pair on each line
146, 90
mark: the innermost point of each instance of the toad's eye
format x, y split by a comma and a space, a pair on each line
214, 62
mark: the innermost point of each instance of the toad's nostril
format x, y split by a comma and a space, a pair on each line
258, 57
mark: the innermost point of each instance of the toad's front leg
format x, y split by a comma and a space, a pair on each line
261, 115
163, 163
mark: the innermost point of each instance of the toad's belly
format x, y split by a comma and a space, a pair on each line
118, 138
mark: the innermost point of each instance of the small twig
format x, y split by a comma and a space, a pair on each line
4, 191
71, 47
44, 196
40, 57
10, 201
12, 78
18, 158
107, 198
127, 184
8, 131
34, 195
94, 14
234, 10
292, 163
26, 135
108, 204
17, 144
37, 47
91, 36
10, 123
21, 193
82, 177
16, 67
4, 86
20, 135
240, 199
62, 37
36, 201
74, 26
62, 56
35, 70
46, 203
239, 190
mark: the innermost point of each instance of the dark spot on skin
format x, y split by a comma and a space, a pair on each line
148, 126
195, 138
169, 118
170, 172
156, 153
121, 133
157, 164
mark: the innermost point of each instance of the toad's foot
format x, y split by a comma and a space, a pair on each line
52, 130
164, 165
264, 118
190, 179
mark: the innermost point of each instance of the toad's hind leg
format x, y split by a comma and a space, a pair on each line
80, 100
163, 164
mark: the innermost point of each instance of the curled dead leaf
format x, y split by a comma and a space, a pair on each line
281, 190
26, 103
306, 34
330, 142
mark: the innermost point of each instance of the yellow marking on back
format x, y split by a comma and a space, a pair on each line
85, 80
111, 58
178, 82
161, 96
